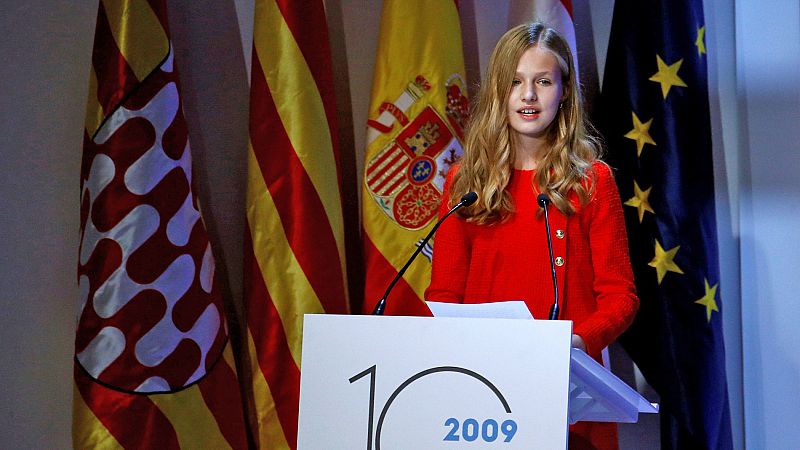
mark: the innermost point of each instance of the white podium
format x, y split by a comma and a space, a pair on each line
374, 382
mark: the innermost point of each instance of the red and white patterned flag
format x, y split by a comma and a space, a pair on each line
153, 365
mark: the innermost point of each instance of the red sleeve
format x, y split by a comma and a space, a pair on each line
614, 288
451, 255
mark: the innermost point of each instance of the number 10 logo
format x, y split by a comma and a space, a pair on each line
471, 430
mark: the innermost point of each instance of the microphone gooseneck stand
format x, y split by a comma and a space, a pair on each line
468, 199
544, 202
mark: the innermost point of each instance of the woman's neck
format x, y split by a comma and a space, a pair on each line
525, 165
528, 153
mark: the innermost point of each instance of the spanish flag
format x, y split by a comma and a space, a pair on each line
294, 244
153, 365
418, 111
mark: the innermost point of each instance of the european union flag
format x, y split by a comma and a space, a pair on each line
655, 119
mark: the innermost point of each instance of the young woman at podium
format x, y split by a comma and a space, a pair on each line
529, 136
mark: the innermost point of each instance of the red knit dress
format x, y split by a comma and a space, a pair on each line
509, 261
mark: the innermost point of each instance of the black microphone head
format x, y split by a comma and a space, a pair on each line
543, 200
469, 198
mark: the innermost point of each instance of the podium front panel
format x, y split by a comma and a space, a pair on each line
433, 383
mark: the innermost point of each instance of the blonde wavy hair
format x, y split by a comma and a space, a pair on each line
489, 154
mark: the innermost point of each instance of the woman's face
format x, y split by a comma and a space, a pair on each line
536, 93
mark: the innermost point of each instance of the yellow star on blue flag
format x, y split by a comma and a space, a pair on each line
708, 300
667, 75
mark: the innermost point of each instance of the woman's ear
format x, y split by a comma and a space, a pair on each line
565, 90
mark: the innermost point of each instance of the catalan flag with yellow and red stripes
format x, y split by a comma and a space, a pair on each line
294, 244
153, 365
417, 114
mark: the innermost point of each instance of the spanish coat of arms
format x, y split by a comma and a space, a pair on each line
406, 177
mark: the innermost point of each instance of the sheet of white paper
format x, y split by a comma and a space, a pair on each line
515, 309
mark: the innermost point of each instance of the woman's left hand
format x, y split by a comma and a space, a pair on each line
577, 342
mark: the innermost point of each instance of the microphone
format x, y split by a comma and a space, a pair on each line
468, 199
544, 202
